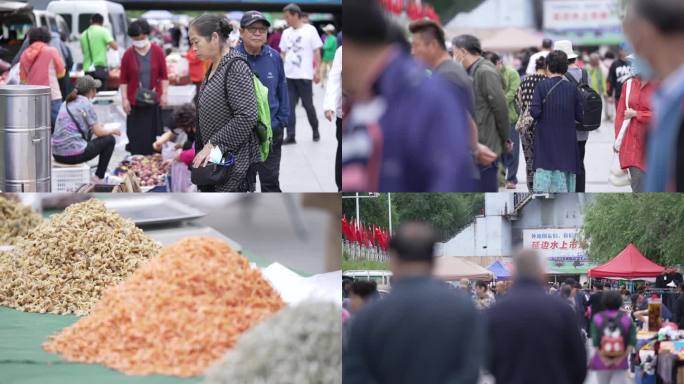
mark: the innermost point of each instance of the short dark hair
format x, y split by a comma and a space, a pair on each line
572, 61
414, 241
145, 26
481, 284
492, 56
609, 55
430, 30
566, 290
39, 34
547, 43
185, 116
540, 63
371, 26
665, 15
293, 9
468, 42
557, 62
135, 29
365, 289
97, 19
611, 300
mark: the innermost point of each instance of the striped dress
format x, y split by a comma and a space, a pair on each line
230, 123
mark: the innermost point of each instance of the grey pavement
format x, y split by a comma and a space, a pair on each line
272, 226
597, 162
307, 166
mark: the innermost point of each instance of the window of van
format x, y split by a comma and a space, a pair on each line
115, 28
44, 22
53, 24
15, 28
67, 19
84, 21
121, 20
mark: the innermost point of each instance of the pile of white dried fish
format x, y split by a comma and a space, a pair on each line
64, 264
301, 344
16, 220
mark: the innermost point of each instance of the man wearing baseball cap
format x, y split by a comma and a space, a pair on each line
267, 64
300, 46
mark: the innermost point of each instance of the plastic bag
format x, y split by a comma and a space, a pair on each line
618, 176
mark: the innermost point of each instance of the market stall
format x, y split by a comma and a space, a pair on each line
47, 339
628, 264
500, 271
660, 346
451, 268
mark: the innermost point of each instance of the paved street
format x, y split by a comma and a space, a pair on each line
597, 161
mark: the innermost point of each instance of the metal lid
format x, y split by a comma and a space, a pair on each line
12, 90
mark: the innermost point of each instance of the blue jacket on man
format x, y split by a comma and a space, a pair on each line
269, 68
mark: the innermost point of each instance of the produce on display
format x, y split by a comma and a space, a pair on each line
16, 220
151, 170
65, 264
301, 344
176, 315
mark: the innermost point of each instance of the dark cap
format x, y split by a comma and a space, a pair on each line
86, 83
293, 8
252, 17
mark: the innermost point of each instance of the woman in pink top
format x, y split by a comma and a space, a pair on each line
41, 64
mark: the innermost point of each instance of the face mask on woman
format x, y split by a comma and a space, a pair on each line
141, 43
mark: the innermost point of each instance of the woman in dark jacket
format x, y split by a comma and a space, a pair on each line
226, 105
556, 105
143, 69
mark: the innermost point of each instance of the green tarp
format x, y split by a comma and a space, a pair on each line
23, 361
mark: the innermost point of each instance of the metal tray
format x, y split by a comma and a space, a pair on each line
153, 210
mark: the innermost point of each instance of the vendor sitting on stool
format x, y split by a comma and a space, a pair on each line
75, 126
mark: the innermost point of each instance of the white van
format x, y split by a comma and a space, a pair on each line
381, 278
77, 14
53, 22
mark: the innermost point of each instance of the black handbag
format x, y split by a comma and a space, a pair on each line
145, 97
213, 174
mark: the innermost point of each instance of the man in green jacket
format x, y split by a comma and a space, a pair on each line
511, 83
491, 110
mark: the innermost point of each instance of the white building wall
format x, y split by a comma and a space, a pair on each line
497, 14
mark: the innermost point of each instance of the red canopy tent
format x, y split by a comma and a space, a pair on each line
629, 264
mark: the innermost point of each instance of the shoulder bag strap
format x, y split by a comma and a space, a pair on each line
551, 90
90, 49
75, 122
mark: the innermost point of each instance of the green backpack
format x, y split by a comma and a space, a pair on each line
263, 128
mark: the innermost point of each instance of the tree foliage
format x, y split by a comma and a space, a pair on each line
654, 222
448, 212
447, 9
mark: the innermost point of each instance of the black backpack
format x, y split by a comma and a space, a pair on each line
592, 105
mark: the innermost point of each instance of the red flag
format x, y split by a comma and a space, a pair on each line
429, 12
397, 6
352, 231
345, 231
413, 11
